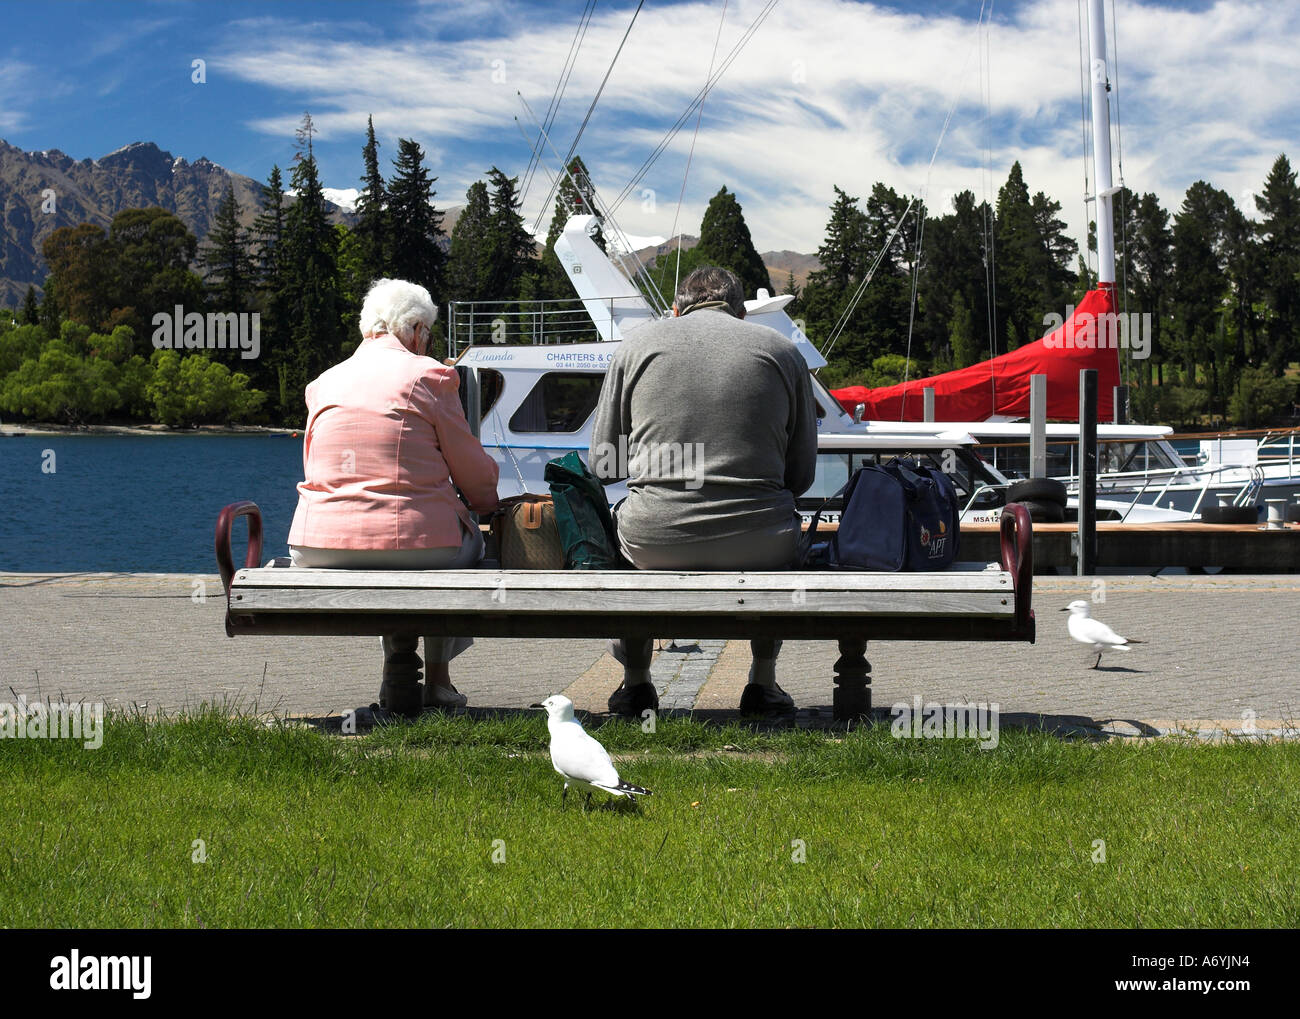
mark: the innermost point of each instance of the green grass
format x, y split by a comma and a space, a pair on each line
397, 829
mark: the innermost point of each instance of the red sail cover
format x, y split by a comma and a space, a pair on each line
1001, 386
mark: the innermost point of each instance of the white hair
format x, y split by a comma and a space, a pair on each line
396, 307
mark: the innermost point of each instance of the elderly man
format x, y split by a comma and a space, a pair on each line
719, 425
386, 448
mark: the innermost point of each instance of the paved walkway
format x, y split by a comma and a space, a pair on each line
1217, 648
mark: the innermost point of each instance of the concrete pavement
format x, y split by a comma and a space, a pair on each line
1217, 648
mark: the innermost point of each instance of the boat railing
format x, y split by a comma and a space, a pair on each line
567, 320
1164, 477
1277, 448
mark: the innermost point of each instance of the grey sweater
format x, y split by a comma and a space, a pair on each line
712, 421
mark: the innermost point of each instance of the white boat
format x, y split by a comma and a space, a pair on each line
1138, 464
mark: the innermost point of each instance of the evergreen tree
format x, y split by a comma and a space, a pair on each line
82, 283
962, 337
415, 227
575, 197
829, 289
1057, 252
1019, 262
725, 242
467, 269
510, 250
1200, 279
886, 303
270, 371
30, 313
953, 274
372, 216
231, 274
1279, 233
311, 289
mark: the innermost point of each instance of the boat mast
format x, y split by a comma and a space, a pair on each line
1101, 143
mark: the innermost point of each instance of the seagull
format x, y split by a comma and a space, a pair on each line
1087, 630
579, 759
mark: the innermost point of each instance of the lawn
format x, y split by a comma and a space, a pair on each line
213, 821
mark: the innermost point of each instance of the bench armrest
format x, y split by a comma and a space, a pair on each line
1017, 547
225, 522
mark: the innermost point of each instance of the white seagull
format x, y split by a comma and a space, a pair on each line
579, 759
1094, 632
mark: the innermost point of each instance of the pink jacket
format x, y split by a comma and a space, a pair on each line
386, 441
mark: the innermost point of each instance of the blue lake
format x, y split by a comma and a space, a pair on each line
144, 503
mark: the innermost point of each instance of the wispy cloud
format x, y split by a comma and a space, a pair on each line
827, 92
15, 94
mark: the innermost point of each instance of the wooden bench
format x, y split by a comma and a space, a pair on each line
985, 602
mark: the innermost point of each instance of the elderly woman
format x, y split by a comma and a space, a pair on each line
386, 448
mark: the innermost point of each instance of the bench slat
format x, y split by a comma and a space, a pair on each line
611, 603
562, 583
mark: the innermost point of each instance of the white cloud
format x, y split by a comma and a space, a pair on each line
827, 92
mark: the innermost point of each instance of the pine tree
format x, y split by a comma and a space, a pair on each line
954, 272
725, 242
1057, 250
1019, 262
311, 288
1200, 279
372, 217
30, 312
510, 249
269, 371
575, 197
467, 268
1279, 232
230, 267
415, 227
829, 289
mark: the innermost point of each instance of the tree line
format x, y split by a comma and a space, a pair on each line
945, 290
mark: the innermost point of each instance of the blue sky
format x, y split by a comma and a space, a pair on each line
827, 92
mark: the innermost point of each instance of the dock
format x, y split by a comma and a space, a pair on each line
1247, 548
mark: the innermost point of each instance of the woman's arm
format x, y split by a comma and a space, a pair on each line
473, 471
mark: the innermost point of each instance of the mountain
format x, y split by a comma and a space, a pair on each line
95, 190
779, 263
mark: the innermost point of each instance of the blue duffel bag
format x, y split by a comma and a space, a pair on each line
895, 516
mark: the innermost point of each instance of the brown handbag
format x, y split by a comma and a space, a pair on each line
526, 536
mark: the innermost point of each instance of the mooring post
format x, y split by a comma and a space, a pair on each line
1120, 416
1038, 426
1087, 534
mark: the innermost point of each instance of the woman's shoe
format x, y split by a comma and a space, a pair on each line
442, 698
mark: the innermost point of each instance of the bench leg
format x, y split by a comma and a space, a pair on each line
852, 698
400, 691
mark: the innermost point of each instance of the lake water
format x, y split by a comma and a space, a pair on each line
145, 503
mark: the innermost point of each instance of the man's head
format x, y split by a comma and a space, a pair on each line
713, 287
402, 309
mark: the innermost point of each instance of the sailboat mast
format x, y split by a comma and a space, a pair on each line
1101, 142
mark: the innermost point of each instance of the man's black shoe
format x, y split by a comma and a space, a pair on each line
633, 700
765, 700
